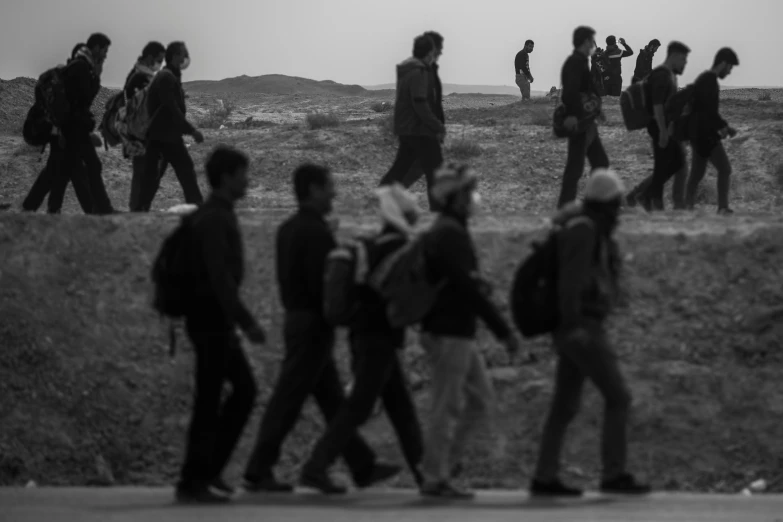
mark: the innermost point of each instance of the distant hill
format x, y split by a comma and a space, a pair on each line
274, 84
449, 88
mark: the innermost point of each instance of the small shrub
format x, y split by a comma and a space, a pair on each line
219, 114
462, 148
381, 107
765, 96
386, 126
321, 120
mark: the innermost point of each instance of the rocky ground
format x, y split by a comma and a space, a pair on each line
90, 396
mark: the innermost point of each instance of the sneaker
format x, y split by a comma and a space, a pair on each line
380, 473
222, 487
267, 485
554, 488
725, 211
444, 489
322, 482
625, 484
199, 495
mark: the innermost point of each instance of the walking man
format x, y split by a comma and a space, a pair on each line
211, 323
420, 132
708, 129
614, 83
522, 69
578, 82
462, 394
644, 62
168, 125
588, 266
376, 348
302, 246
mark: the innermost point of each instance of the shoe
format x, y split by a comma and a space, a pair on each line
444, 489
380, 473
199, 495
322, 482
725, 211
267, 485
554, 488
625, 484
222, 487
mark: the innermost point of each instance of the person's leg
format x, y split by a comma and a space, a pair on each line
71, 169
406, 156
575, 165
413, 175
150, 182
43, 182
138, 164
101, 203
720, 160
430, 157
698, 169
653, 196
177, 154
680, 178
632, 198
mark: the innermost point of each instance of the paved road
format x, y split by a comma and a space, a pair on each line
150, 505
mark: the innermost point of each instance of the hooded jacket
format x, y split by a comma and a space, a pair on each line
615, 55
413, 115
138, 78
82, 84
644, 64
588, 266
435, 89
166, 105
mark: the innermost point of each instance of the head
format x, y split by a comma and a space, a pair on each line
314, 188
177, 56
437, 41
725, 60
455, 190
227, 172
98, 44
604, 196
611, 40
424, 49
153, 55
653, 46
398, 208
529, 45
677, 56
584, 40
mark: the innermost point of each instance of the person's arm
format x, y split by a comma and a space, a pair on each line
319, 243
214, 245
526, 69
628, 51
658, 91
575, 246
571, 79
453, 251
418, 92
169, 91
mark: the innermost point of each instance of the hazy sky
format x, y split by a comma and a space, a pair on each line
360, 41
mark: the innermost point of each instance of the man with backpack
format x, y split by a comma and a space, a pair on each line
376, 347
613, 78
644, 61
668, 153
168, 124
302, 245
81, 83
707, 129
588, 265
147, 66
522, 69
419, 130
462, 394
212, 258
578, 85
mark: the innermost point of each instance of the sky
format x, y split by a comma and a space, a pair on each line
361, 41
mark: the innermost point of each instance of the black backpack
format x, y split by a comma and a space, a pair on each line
37, 129
111, 138
50, 93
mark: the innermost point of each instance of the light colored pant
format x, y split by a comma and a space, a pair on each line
524, 86
462, 401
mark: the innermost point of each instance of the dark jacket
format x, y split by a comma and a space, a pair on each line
588, 267
706, 121
166, 105
218, 259
138, 78
413, 115
451, 255
576, 80
435, 94
644, 64
615, 55
303, 243
372, 317
522, 63
82, 85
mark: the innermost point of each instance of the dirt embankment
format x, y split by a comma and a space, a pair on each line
90, 396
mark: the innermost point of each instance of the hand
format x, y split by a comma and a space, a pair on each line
570, 123
96, 140
256, 335
198, 137
732, 132
531, 79
663, 139
622, 41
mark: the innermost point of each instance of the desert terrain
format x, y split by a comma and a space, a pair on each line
91, 397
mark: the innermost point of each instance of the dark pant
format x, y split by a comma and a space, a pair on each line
678, 189
308, 369
581, 145
412, 148
721, 162
45, 180
139, 163
614, 88
178, 156
667, 162
81, 159
378, 373
598, 362
215, 428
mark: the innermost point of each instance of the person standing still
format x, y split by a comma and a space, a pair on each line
522, 69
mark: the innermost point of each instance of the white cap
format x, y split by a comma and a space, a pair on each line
604, 185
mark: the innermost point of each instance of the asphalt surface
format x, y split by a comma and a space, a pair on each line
156, 504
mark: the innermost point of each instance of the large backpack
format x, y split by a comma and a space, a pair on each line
403, 281
347, 266
534, 296
37, 129
172, 272
111, 137
133, 120
50, 93
634, 107
679, 109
